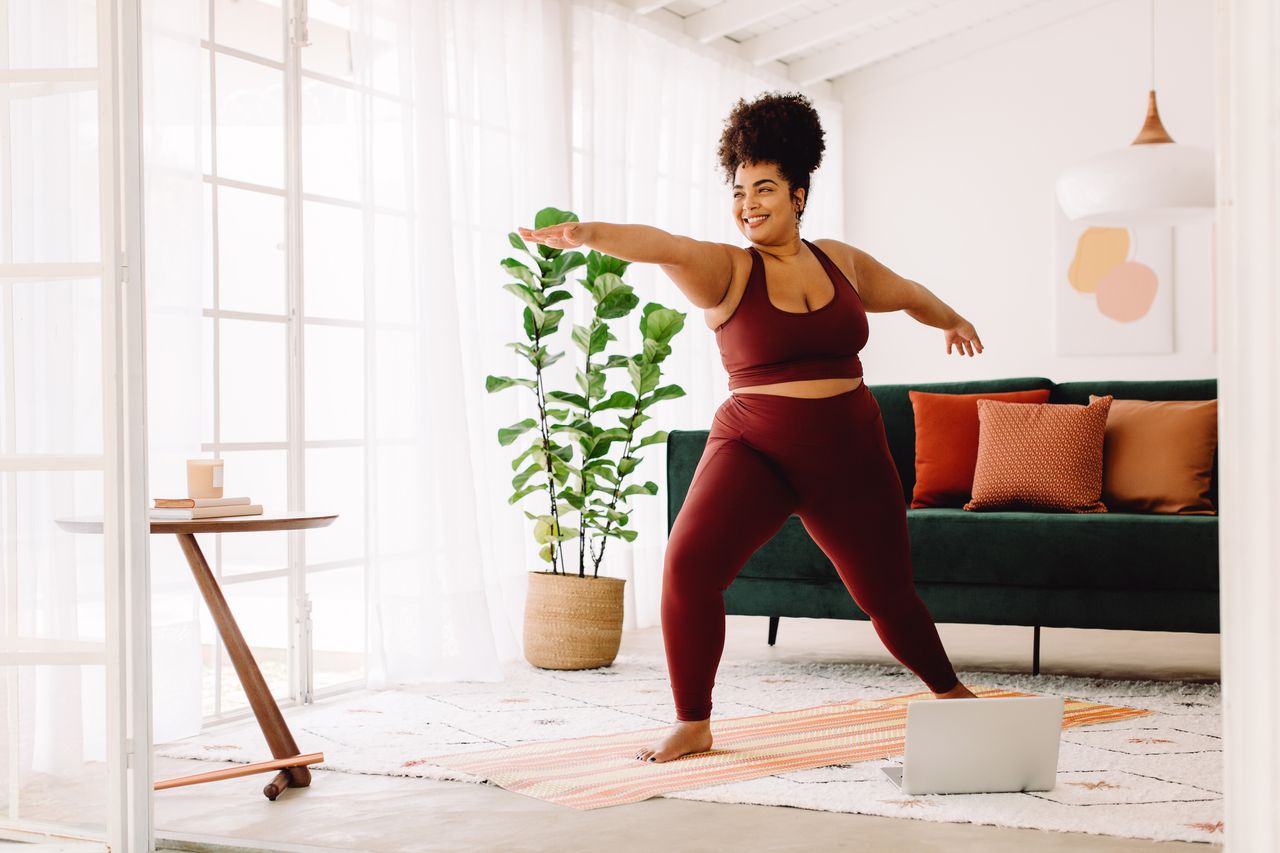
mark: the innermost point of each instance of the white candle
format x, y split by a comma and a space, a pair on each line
204, 478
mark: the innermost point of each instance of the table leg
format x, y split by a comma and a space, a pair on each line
264, 706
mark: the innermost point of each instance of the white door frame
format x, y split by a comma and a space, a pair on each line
1247, 268
126, 527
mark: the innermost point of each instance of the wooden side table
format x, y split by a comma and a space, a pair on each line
293, 771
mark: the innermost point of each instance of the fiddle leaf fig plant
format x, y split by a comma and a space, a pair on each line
596, 487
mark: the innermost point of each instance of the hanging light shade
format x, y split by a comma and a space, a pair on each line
1153, 181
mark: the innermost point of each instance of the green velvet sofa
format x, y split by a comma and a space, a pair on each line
1117, 570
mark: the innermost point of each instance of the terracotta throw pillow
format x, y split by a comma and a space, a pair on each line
1040, 456
947, 442
1158, 456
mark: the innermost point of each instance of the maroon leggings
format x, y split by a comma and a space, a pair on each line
767, 457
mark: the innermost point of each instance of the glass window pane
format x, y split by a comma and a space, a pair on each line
52, 33
330, 140
254, 26
335, 484
250, 121
57, 342
337, 624
53, 174
390, 153
332, 261
57, 576
393, 278
329, 31
252, 381
397, 368
206, 113
334, 382
55, 716
261, 609
261, 476
251, 251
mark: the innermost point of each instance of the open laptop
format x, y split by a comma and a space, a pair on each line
971, 746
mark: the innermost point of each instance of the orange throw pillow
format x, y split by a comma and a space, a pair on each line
947, 442
1040, 456
1158, 456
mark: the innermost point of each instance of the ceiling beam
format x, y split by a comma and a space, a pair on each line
644, 7
817, 28
666, 19
731, 16
961, 44
902, 36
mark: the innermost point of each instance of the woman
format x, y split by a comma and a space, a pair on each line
800, 433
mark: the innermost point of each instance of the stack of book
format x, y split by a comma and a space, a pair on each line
185, 509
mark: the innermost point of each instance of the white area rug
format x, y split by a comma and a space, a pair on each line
1157, 776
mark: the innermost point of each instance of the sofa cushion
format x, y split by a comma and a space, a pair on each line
1045, 456
900, 420
1158, 454
1136, 389
1027, 549
947, 442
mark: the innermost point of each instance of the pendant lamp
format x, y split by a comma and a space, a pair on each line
1153, 181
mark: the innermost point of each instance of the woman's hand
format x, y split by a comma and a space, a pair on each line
963, 337
566, 235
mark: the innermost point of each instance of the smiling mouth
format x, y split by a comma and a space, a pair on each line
751, 222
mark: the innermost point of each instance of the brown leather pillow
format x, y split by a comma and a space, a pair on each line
947, 442
1040, 456
1158, 456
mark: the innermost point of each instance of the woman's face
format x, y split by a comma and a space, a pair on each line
760, 191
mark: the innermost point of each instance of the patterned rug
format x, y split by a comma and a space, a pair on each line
1138, 759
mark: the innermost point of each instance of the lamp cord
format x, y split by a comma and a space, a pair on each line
1153, 44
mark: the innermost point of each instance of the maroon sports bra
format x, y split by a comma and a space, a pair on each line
760, 343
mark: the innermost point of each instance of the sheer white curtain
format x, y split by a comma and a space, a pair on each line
173, 209
519, 106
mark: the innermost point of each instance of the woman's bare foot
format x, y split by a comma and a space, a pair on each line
686, 736
957, 692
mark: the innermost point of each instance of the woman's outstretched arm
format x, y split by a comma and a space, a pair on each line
701, 269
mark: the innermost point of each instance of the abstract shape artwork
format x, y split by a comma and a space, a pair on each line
1113, 288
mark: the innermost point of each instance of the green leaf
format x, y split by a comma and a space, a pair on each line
506, 435
518, 495
497, 383
659, 323
616, 400
655, 438
520, 479
655, 352
666, 392
649, 488
520, 271
566, 397
525, 293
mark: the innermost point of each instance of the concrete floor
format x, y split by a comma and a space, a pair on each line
380, 813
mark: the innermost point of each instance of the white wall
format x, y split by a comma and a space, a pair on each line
949, 176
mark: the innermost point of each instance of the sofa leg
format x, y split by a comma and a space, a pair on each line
773, 629
1035, 652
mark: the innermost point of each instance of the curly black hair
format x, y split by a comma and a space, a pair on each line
774, 128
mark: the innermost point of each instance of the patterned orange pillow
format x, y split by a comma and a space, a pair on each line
1040, 456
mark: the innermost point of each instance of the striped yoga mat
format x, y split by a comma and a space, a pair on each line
598, 771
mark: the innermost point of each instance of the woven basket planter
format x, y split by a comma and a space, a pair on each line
572, 622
